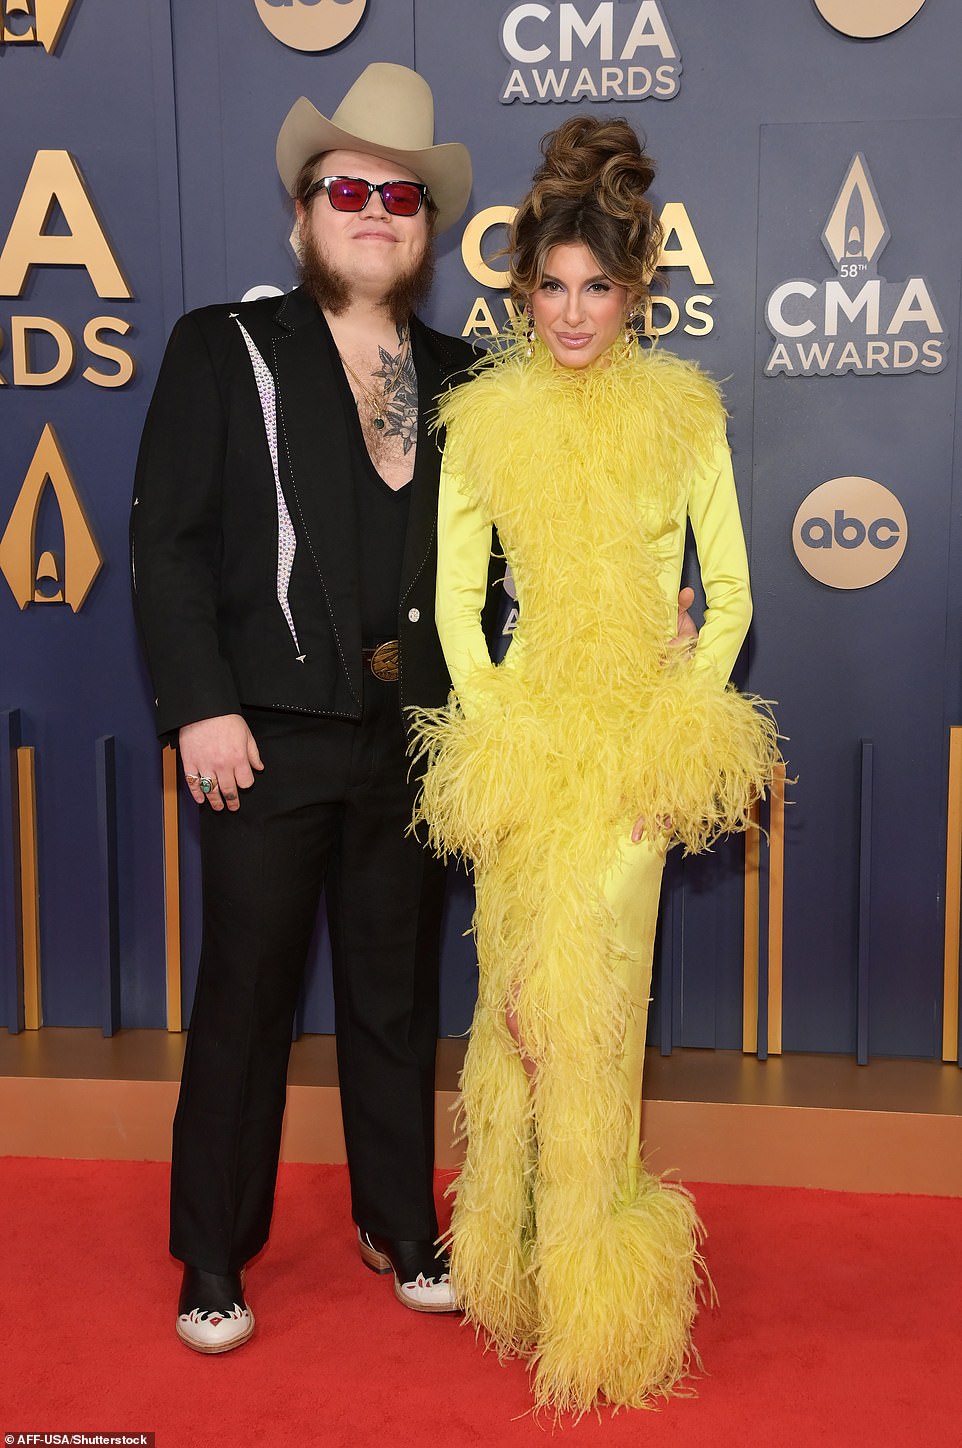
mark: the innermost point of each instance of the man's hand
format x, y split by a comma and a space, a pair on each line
686, 634
662, 828
223, 751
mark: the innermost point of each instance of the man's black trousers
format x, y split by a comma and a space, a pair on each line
330, 811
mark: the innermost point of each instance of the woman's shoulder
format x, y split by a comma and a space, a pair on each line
674, 383
666, 368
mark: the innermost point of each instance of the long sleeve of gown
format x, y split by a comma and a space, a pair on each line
723, 564
464, 551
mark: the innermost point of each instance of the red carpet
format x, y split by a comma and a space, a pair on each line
839, 1323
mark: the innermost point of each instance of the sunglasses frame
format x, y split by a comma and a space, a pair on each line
323, 183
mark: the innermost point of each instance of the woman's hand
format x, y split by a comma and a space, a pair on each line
686, 633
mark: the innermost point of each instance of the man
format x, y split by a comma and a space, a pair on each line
283, 544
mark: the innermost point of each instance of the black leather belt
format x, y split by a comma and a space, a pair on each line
384, 661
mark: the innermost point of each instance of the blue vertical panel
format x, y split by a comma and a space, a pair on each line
668, 948
764, 918
109, 901
846, 662
864, 992
459, 977
11, 934
105, 96
712, 965
952, 674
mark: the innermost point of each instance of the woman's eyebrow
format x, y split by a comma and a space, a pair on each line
588, 282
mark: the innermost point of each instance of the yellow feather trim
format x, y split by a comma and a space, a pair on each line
584, 475
526, 418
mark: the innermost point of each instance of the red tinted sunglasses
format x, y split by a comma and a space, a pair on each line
352, 193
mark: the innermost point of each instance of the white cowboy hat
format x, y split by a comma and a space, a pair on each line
388, 112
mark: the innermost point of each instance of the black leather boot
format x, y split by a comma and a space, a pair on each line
421, 1278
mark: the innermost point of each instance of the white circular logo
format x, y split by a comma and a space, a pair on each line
264, 289
850, 532
311, 24
868, 19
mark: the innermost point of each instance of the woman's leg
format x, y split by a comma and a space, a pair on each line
491, 1225
617, 1249
632, 890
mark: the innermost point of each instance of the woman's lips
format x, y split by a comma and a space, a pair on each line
574, 339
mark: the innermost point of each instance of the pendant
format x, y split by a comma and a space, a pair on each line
378, 423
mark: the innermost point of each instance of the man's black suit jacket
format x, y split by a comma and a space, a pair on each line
204, 527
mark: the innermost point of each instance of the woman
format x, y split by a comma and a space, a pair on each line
566, 773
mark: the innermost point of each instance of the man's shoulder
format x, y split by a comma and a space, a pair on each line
216, 330
219, 317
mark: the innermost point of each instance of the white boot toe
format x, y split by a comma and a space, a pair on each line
215, 1331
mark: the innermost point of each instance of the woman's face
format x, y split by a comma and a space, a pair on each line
578, 313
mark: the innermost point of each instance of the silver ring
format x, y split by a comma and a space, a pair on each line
207, 784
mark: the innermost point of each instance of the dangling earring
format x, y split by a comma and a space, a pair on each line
529, 334
631, 335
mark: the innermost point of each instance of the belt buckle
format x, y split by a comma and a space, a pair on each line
384, 662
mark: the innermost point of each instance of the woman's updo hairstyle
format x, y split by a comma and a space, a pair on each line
590, 188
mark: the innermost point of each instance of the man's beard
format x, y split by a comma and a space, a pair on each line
333, 293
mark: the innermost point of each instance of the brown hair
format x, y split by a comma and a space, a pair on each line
589, 188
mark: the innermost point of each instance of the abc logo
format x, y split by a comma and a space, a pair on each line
850, 532
311, 24
867, 19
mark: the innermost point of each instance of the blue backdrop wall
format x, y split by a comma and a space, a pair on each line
808, 176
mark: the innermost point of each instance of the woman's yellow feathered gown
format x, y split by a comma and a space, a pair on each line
563, 1248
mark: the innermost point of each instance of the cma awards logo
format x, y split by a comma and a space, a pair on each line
33, 22
57, 575
857, 321
619, 50
850, 532
311, 24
